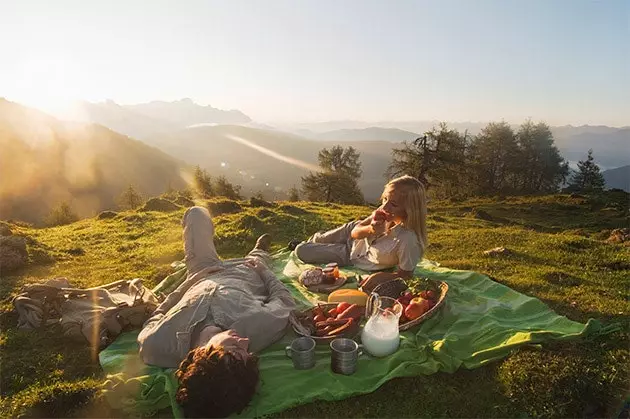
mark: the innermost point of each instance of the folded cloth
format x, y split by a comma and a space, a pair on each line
481, 321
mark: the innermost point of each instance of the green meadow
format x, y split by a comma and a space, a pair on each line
557, 249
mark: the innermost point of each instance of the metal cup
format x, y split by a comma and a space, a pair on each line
302, 353
344, 355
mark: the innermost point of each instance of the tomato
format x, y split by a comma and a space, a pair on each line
319, 318
341, 307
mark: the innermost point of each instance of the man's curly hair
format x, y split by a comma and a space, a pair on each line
214, 383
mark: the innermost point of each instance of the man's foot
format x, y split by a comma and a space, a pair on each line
263, 242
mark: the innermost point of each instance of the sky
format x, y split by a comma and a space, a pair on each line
564, 62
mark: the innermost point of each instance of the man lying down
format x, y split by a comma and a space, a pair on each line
213, 323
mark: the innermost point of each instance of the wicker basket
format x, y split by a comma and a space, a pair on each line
396, 287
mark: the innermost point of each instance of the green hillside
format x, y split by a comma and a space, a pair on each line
558, 250
45, 162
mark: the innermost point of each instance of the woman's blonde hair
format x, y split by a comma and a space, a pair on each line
414, 200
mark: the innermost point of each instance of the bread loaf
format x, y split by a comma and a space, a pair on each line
349, 296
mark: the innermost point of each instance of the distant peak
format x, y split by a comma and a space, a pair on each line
187, 101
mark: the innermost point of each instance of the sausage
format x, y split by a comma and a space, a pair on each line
341, 329
330, 322
352, 312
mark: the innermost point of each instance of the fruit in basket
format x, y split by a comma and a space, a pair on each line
428, 294
417, 307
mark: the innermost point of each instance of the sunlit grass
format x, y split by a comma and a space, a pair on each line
557, 252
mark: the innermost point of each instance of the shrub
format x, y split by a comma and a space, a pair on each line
13, 253
61, 215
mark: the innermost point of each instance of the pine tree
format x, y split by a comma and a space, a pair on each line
294, 194
338, 179
222, 187
588, 177
203, 183
130, 198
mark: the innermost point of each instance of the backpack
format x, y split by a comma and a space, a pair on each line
96, 315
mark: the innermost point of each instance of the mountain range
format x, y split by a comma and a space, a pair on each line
91, 162
45, 162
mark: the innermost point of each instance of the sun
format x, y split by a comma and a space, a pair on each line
50, 83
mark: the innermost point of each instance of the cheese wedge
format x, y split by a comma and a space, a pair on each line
349, 296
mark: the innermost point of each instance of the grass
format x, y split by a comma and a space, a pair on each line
557, 252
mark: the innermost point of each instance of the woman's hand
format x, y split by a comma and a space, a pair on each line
379, 221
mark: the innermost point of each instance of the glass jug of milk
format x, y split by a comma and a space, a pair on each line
380, 336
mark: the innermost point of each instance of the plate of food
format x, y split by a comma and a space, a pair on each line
322, 280
327, 321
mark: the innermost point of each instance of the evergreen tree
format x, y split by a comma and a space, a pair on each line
294, 194
437, 159
494, 160
130, 199
222, 187
338, 179
588, 177
203, 183
539, 167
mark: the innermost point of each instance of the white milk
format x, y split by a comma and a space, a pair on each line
380, 335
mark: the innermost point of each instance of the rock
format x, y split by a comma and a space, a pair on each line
497, 251
159, 204
5, 230
619, 235
13, 253
107, 214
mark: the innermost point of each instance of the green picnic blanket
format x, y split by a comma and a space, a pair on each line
481, 321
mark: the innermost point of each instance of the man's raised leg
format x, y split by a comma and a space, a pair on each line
199, 240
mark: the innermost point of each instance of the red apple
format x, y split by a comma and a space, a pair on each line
413, 311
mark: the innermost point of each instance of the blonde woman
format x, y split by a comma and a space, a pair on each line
394, 235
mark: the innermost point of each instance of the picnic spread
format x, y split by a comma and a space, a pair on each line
466, 320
